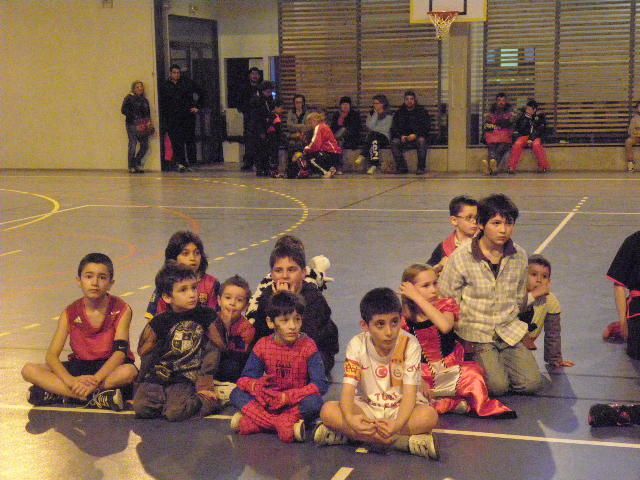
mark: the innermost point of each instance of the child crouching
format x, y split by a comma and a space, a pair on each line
283, 381
383, 365
179, 359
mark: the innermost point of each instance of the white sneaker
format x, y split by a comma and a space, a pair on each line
630, 167
299, 432
330, 173
372, 170
325, 436
424, 445
235, 421
108, 400
223, 391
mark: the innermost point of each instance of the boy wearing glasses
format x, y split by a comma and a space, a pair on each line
463, 211
488, 278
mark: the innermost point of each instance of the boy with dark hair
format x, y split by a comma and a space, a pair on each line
410, 129
382, 365
463, 215
543, 311
177, 378
235, 335
488, 279
288, 270
97, 326
283, 381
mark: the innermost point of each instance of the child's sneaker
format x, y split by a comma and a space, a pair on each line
223, 392
325, 436
372, 170
424, 445
330, 173
299, 431
630, 167
39, 397
235, 421
108, 400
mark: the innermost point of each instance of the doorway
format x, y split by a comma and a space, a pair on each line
192, 43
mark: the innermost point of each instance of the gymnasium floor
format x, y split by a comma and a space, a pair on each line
370, 229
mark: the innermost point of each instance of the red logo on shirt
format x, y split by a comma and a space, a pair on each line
382, 371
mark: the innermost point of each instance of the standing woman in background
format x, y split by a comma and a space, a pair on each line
135, 108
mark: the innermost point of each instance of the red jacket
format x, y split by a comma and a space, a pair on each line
323, 140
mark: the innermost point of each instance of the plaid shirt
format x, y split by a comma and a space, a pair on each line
489, 304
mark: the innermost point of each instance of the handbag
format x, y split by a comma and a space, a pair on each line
144, 127
168, 148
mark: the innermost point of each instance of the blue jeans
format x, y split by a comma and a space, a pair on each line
508, 368
397, 149
136, 160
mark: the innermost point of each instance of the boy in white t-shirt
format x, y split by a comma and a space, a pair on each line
382, 366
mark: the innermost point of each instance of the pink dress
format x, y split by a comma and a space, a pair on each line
451, 379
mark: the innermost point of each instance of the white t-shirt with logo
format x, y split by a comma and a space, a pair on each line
379, 379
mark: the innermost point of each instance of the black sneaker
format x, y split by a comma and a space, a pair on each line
38, 396
107, 399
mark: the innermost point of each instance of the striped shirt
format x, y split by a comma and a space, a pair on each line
489, 304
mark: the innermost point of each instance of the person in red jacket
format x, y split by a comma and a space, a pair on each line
323, 153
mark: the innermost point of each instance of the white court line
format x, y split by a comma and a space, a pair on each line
343, 473
528, 438
467, 433
562, 224
9, 253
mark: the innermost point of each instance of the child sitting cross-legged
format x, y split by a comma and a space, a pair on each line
235, 335
283, 381
455, 385
97, 326
543, 312
176, 380
381, 403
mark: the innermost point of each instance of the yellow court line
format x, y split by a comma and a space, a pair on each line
56, 207
4, 334
343, 473
9, 253
126, 294
30, 326
144, 287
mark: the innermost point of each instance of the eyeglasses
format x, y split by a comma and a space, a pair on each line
468, 219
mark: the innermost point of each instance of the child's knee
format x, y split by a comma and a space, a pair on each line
310, 407
329, 412
180, 412
27, 372
425, 418
497, 385
530, 385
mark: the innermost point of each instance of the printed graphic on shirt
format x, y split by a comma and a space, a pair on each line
183, 355
352, 369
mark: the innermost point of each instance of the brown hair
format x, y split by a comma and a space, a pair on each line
409, 275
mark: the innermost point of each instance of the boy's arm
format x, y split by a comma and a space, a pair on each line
52, 357
451, 280
620, 298
357, 422
318, 385
152, 306
389, 428
119, 354
148, 340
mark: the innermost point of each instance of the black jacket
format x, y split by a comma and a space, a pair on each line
352, 126
177, 100
260, 114
533, 127
135, 107
406, 122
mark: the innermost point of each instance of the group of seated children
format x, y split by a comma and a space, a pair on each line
207, 344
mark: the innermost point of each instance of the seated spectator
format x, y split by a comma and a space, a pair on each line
498, 133
634, 137
345, 125
296, 118
410, 129
529, 129
379, 126
288, 269
488, 278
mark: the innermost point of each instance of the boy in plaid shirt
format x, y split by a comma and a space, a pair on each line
283, 381
488, 279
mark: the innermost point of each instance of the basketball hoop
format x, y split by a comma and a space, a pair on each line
442, 22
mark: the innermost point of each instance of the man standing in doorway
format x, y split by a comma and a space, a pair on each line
180, 102
248, 91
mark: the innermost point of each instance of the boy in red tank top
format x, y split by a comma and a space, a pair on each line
101, 362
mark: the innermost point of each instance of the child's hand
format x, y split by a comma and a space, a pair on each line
84, 385
362, 425
427, 392
282, 286
276, 400
410, 291
386, 428
541, 290
563, 363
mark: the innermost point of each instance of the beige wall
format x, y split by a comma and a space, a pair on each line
66, 67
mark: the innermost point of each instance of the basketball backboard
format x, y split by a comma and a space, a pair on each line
468, 10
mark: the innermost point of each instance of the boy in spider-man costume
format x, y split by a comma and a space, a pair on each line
283, 380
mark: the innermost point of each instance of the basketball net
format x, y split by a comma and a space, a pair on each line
442, 22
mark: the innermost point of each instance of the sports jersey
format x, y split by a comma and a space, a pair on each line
89, 342
379, 379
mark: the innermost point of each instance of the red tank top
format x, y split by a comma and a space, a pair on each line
88, 342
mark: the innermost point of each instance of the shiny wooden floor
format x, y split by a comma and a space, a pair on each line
370, 228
